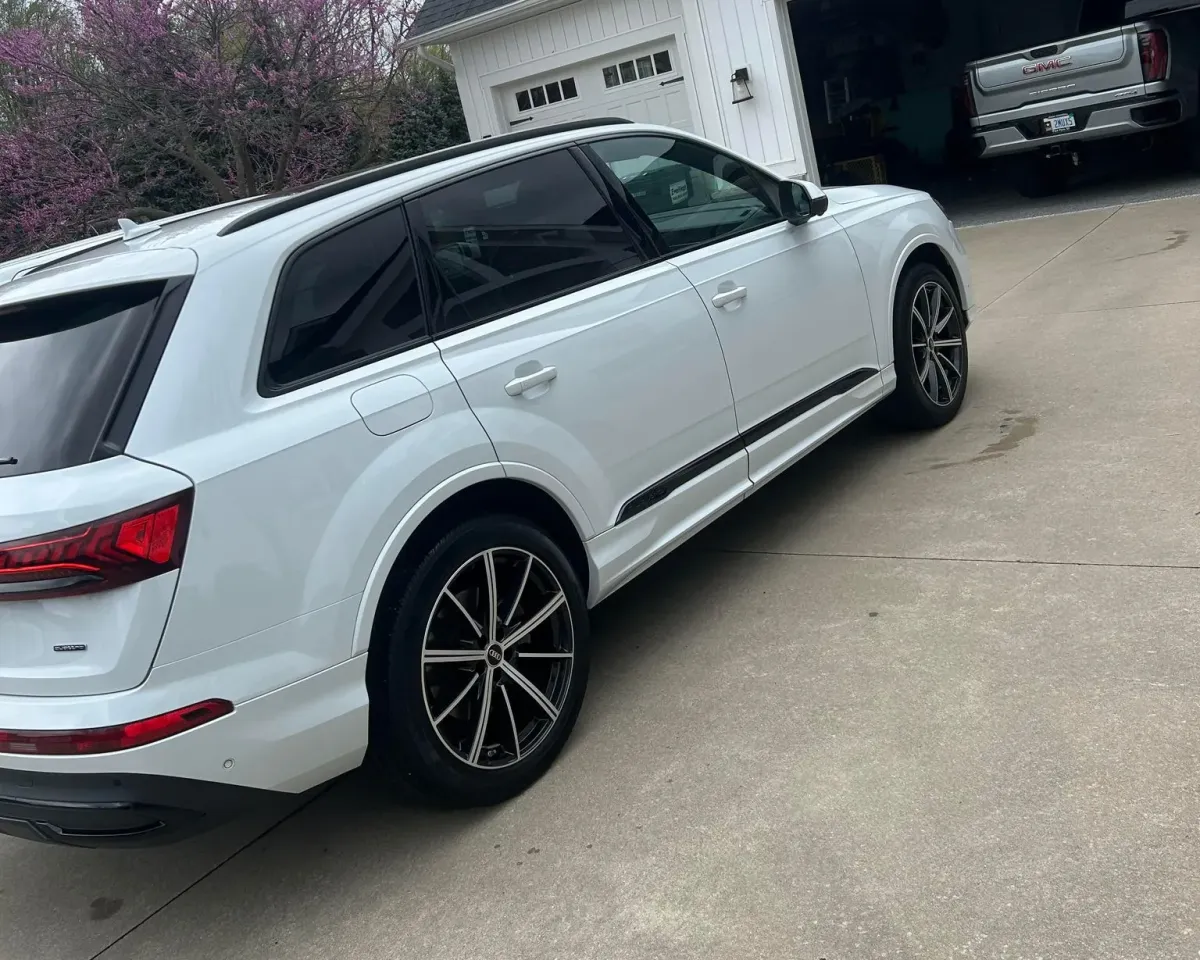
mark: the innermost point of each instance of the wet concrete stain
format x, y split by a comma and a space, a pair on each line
1175, 240
1016, 429
104, 908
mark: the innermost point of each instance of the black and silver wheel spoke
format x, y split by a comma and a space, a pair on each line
485, 714
458, 605
457, 700
937, 343
512, 719
519, 591
489, 566
535, 621
534, 693
497, 657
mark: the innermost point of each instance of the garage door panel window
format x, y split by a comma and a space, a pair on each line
547, 94
347, 299
517, 236
641, 68
692, 194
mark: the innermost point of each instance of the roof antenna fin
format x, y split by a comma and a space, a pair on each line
133, 230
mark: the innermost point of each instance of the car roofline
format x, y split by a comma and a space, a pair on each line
388, 171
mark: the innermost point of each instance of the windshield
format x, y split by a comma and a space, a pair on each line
64, 362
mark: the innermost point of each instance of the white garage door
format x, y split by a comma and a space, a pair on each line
645, 84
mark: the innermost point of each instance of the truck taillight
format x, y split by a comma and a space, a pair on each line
113, 552
968, 97
1154, 48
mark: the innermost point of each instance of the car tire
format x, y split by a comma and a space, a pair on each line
426, 704
932, 369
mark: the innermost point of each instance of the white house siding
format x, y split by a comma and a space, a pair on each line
549, 42
712, 37
770, 128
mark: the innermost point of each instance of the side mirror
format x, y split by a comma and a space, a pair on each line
802, 201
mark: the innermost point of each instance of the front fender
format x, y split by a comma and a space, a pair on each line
885, 237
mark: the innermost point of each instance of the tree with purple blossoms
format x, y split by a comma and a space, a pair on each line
149, 107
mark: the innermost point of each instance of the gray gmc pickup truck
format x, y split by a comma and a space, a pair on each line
1040, 109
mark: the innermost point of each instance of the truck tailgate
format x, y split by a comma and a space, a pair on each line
1093, 64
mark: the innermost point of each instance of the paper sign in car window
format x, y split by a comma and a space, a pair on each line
679, 192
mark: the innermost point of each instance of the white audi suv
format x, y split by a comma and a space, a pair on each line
310, 479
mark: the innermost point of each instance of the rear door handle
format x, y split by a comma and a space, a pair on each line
726, 297
523, 384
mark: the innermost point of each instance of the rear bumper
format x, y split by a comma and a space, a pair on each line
280, 743
116, 810
1123, 118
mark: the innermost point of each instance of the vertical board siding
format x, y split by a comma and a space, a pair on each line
746, 33
721, 35
555, 32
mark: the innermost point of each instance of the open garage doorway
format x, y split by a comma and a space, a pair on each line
886, 101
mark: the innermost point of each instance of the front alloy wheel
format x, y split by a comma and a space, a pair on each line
932, 359
938, 343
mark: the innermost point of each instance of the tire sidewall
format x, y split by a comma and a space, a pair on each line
405, 741
908, 386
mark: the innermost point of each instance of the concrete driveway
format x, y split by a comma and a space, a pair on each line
927, 697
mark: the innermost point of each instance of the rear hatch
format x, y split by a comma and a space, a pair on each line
1099, 62
90, 540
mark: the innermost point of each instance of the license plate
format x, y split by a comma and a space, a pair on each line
1060, 124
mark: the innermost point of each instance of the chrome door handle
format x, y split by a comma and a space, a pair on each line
727, 297
522, 384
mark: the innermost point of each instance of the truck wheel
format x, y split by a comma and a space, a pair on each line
1043, 176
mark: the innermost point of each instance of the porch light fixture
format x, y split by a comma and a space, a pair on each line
741, 85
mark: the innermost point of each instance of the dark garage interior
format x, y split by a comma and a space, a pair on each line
886, 99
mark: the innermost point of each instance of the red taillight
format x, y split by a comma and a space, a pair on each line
60, 743
1153, 44
109, 553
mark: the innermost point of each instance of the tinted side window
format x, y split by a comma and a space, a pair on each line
691, 193
518, 235
348, 298
64, 363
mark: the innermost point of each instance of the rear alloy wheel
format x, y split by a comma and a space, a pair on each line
932, 360
486, 666
497, 659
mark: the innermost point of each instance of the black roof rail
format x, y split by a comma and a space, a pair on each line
343, 184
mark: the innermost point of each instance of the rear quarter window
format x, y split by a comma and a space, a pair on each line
64, 365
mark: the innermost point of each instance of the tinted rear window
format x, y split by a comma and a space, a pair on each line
64, 363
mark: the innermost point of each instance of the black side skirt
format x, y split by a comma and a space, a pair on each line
686, 474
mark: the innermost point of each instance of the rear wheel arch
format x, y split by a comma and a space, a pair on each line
496, 497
